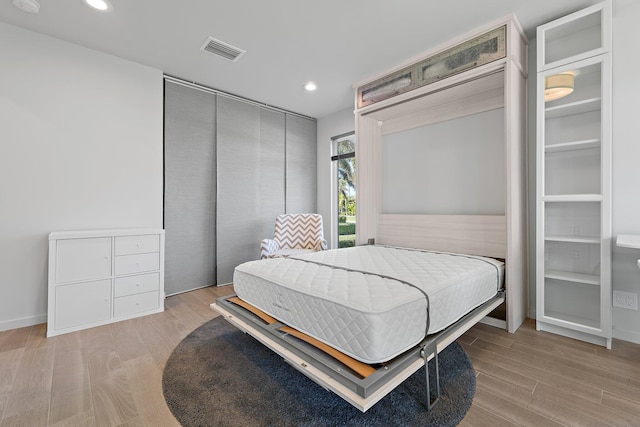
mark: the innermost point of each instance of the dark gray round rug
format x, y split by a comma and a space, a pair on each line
219, 376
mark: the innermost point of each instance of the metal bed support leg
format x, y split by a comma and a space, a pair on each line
425, 355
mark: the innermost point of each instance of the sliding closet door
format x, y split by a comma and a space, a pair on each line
271, 180
190, 188
301, 165
250, 150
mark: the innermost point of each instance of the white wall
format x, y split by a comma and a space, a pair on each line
81, 138
335, 124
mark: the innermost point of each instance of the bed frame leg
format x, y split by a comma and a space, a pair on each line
431, 403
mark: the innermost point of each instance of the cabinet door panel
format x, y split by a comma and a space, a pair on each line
82, 303
83, 259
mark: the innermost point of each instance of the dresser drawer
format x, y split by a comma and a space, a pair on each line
131, 285
132, 304
127, 245
139, 263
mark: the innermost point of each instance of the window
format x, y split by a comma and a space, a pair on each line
343, 157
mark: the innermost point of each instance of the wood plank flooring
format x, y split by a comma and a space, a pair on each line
112, 375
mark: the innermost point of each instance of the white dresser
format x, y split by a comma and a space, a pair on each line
103, 276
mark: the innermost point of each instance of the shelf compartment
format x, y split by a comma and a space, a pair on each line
576, 320
571, 301
573, 222
572, 172
572, 261
573, 37
579, 127
587, 84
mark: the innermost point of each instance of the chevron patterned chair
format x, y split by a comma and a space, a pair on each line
294, 234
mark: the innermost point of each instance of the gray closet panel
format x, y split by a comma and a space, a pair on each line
271, 182
250, 149
190, 189
301, 156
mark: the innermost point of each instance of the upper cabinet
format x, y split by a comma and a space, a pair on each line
573, 226
467, 53
574, 37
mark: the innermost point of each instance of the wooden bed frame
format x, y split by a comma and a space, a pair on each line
339, 375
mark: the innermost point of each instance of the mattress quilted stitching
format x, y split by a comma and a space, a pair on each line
368, 317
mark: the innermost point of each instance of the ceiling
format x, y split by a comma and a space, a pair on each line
334, 43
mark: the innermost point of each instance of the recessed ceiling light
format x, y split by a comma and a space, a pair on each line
101, 5
310, 86
31, 6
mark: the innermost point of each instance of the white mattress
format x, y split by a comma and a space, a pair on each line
372, 316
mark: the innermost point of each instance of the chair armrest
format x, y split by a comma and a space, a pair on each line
268, 247
323, 245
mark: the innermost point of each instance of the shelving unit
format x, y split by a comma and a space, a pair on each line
573, 208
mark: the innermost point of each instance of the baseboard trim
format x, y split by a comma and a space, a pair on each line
23, 322
187, 290
626, 335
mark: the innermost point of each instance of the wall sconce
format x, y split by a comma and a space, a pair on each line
558, 85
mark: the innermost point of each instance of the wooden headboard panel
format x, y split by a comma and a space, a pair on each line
484, 235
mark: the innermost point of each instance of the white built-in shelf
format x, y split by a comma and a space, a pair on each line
573, 198
573, 174
573, 145
573, 108
568, 276
628, 241
572, 239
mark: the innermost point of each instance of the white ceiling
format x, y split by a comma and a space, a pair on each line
334, 43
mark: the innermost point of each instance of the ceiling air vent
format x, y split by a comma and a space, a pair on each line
222, 49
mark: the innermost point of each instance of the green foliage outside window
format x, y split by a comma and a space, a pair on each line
346, 193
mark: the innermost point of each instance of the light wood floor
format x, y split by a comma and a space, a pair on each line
111, 375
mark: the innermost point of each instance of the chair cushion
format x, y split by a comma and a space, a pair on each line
299, 231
